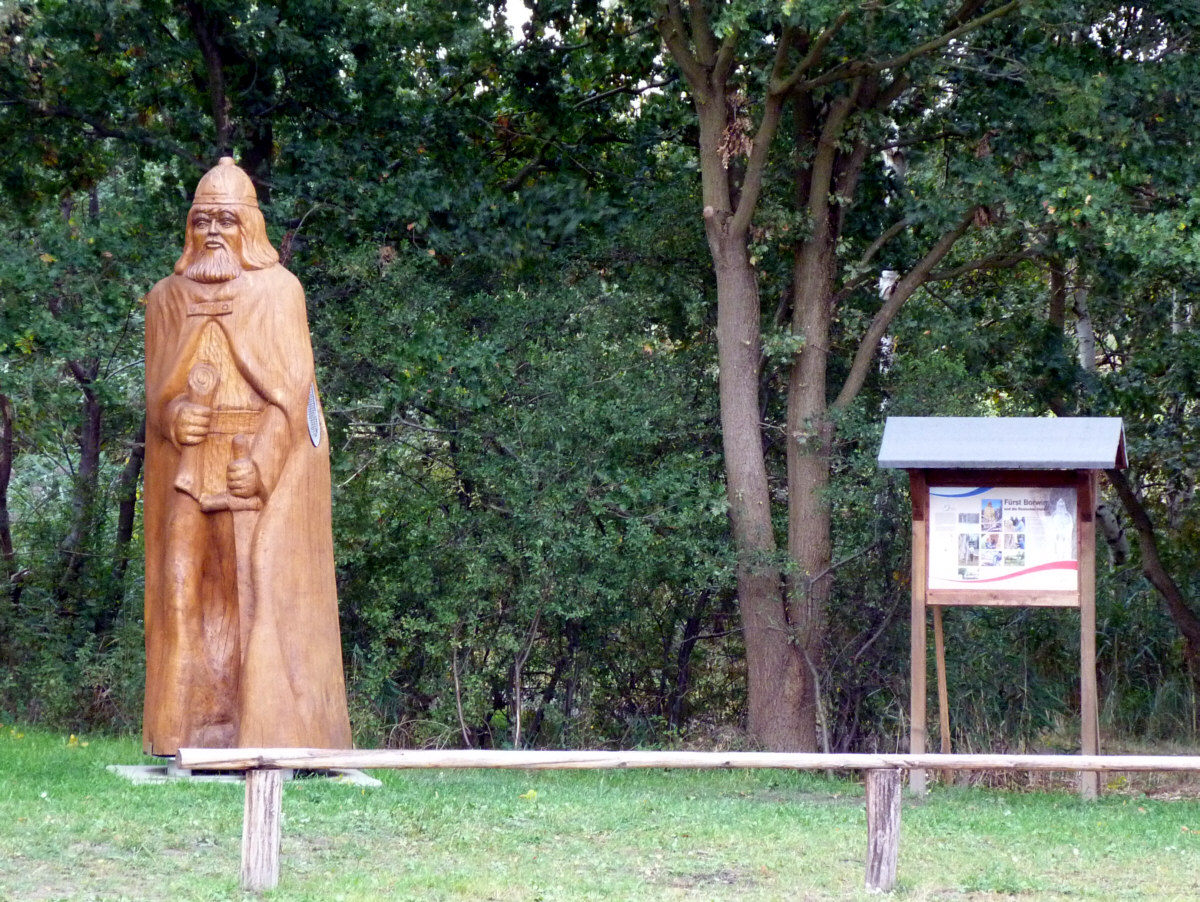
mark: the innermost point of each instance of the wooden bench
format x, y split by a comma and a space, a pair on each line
264, 782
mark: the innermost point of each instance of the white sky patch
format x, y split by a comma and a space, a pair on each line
516, 13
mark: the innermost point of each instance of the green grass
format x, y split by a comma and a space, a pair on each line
70, 830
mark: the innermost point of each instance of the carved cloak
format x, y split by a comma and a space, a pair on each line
287, 683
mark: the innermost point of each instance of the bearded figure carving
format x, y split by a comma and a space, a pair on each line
242, 639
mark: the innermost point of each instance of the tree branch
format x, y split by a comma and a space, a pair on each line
877, 245
702, 34
756, 166
821, 180
812, 57
723, 64
105, 130
995, 261
625, 89
674, 35
1185, 619
859, 68
865, 260
964, 12
883, 318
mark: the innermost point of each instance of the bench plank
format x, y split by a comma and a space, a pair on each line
401, 759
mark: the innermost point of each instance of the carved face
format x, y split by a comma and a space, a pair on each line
215, 238
216, 228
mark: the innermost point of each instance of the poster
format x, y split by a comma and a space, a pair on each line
1003, 538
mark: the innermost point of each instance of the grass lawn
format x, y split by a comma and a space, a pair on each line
71, 830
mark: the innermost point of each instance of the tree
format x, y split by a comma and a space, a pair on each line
838, 73
959, 99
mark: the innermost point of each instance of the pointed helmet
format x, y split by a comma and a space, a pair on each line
225, 184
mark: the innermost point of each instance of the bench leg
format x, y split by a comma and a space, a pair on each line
883, 828
260, 829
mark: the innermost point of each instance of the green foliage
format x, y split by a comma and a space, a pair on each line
70, 349
523, 502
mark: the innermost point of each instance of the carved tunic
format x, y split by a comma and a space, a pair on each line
242, 638
214, 381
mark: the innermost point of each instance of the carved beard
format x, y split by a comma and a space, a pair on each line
213, 265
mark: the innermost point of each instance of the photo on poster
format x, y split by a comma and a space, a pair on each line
991, 514
968, 549
1014, 557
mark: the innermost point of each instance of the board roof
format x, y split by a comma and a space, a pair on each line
1003, 443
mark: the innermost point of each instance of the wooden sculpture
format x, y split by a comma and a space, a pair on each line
242, 639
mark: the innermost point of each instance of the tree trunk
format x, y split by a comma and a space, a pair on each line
127, 499
564, 663
7, 555
208, 37
87, 479
809, 441
127, 493
676, 709
772, 667
1184, 618
783, 630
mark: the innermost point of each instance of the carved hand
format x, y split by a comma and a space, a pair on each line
242, 478
191, 423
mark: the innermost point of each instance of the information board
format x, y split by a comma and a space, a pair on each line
1003, 538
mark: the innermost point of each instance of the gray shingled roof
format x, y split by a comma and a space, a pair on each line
1003, 443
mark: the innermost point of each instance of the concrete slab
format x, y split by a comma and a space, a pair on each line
148, 774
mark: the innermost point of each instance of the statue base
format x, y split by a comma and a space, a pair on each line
145, 774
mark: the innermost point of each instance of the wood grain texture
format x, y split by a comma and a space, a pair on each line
943, 690
883, 829
402, 759
1004, 598
1089, 782
263, 766
918, 641
261, 826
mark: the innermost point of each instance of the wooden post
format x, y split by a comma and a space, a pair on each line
1089, 781
260, 829
883, 828
943, 691
919, 490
